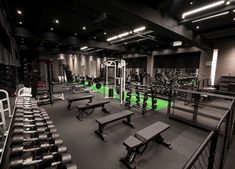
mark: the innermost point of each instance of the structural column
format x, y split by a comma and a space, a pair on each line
150, 65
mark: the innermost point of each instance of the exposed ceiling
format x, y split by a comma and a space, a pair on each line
91, 23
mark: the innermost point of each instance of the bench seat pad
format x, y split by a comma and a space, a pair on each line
76, 97
132, 142
114, 116
151, 131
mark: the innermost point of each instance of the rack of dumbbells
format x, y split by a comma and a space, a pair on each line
33, 141
141, 94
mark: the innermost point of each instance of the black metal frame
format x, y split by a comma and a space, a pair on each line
213, 151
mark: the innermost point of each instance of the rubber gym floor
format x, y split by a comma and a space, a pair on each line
90, 152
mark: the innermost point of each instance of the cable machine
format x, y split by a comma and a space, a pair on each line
119, 78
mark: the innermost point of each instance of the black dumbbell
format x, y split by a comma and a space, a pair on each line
47, 160
21, 130
56, 146
64, 166
38, 119
19, 139
37, 124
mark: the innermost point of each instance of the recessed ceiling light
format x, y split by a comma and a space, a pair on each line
52, 29
76, 34
203, 8
234, 19
209, 17
84, 47
228, 2
191, 2
105, 33
19, 12
57, 21
197, 27
139, 29
20, 23
83, 28
95, 37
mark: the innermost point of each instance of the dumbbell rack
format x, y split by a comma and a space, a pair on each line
136, 91
32, 140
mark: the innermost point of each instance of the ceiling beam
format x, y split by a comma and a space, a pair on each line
220, 34
167, 26
104, 45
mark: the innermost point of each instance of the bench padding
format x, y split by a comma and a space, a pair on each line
132, 142
93, 104
76, 98
151, 131
115, 116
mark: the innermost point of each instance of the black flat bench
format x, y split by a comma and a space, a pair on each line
84, 109
137, 144
72, 99
103, 121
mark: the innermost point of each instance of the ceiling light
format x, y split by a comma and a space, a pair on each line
234, 10
20, 23
84, 47
95, 37
234, 19
209, 17
202, 8
191, 2
83, 28
112, 38
52, 29
76, 34
105, 33
19, 12
123, 34
197, 27
228, 2
139, 29
57, 21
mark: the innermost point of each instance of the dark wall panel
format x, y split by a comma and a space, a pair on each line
183, 60
140, 62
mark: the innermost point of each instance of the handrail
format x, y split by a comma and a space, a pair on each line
195, 156
204, 93
224, 116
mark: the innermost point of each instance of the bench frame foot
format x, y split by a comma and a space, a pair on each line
159, 139
127, 164
99, 132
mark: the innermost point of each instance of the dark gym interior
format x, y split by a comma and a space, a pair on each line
117, 84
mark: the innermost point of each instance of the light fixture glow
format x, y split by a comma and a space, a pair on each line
20, 23
52, 29
123, 34
234, 19
83, 28
213, 66
112, 38
57, 21
75, 33
197, 27
234, 10
202, 8
228, 2
19, 12
139, 29
84, 47
209, 17
105, 33
191, 2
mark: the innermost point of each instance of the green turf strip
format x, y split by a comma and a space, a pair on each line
161, 104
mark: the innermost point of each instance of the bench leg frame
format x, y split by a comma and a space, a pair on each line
103, 109
69, 105
162, 141
99, 132
130, 157
128, 122
81, 115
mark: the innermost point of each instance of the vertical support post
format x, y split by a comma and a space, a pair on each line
212, 150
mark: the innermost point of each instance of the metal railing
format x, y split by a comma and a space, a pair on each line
213, 151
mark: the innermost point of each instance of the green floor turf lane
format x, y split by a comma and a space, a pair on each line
161, 104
